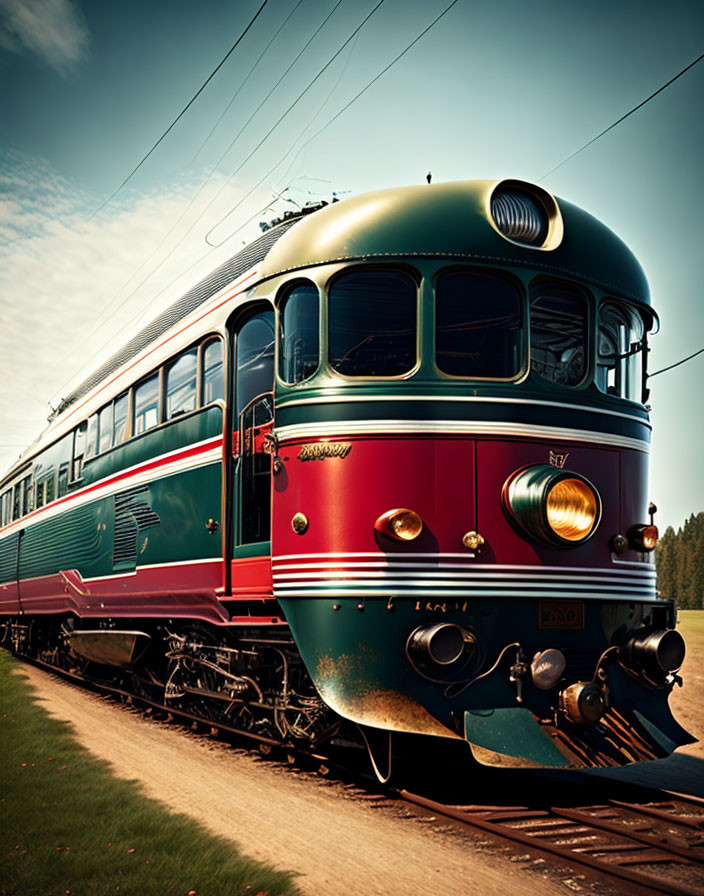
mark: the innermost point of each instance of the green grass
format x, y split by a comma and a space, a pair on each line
68, 825
691, 624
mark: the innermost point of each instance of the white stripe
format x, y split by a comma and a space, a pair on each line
487, 577
357, 398
487, 587
543, 595
84, 496
134, 572
648, 572
340, 428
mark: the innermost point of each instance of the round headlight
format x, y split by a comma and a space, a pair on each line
402, 524
572, 509
552, 505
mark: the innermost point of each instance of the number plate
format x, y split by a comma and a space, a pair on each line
561, 614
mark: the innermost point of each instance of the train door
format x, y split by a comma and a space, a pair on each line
252, 419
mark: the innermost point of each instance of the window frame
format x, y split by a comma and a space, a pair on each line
324, 349
591, 317
282, 295
523, 308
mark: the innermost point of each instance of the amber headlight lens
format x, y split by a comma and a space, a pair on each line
572, 509
402, 524
552, 505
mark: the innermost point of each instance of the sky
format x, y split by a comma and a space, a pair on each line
494, 89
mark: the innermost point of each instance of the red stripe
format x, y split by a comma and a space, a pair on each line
183, 454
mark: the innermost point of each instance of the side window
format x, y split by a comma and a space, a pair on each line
146, 404
6, 507
79, 450
63, 479
255, 360
27, 495
92, 437
120, 419
213, 372
478, 332
619, 361
105, 422
372, 324
17, 501
181, 385
299, 334
558, 334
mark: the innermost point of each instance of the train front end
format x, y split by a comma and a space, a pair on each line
461, 538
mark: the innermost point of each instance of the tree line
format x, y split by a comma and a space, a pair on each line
680, 563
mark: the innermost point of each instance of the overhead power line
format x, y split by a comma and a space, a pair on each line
284, 114
331, 120
624, 117
677, 364
184, 110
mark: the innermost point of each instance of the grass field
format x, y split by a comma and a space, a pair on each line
686, 701
68, 826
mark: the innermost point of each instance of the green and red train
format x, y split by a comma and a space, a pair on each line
384, 471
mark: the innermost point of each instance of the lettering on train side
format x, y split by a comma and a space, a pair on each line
321, 450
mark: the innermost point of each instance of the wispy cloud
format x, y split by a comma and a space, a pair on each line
73, 288
54, 30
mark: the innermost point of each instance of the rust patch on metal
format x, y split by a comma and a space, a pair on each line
343, 686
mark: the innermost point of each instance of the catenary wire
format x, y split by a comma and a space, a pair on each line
173, 249
624, 117
281, 117
184, 110
677, 364
249, 74
111, 309
331, 120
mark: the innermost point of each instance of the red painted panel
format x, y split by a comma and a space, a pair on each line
189, 589
342, 497
251, 577
634, 495
498, 459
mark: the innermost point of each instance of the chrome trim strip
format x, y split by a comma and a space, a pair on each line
437, 399
340, 428
439, 595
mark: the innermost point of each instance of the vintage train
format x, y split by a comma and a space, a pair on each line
384, 471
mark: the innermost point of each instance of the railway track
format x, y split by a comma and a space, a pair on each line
653, 847
649, 842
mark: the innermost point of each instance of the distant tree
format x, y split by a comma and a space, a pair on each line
679, 557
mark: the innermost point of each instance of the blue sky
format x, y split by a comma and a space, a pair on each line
495, 89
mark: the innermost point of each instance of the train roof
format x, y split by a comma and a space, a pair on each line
454, 220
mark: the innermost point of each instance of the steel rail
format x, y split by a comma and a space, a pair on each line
490, 818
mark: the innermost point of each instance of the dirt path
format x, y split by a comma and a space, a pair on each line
341, 847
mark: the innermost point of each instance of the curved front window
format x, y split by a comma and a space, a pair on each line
299, 334
478, 331
619, 362
558, 333
372, 324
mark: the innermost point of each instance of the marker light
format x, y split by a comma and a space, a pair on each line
401, 524
552, 505
643, 538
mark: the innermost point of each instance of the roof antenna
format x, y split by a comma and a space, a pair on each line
429, 176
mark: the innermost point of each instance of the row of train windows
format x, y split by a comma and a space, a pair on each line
479, 331
192, 380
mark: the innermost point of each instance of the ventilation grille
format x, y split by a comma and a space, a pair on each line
132, 514
519, 217
251, 255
